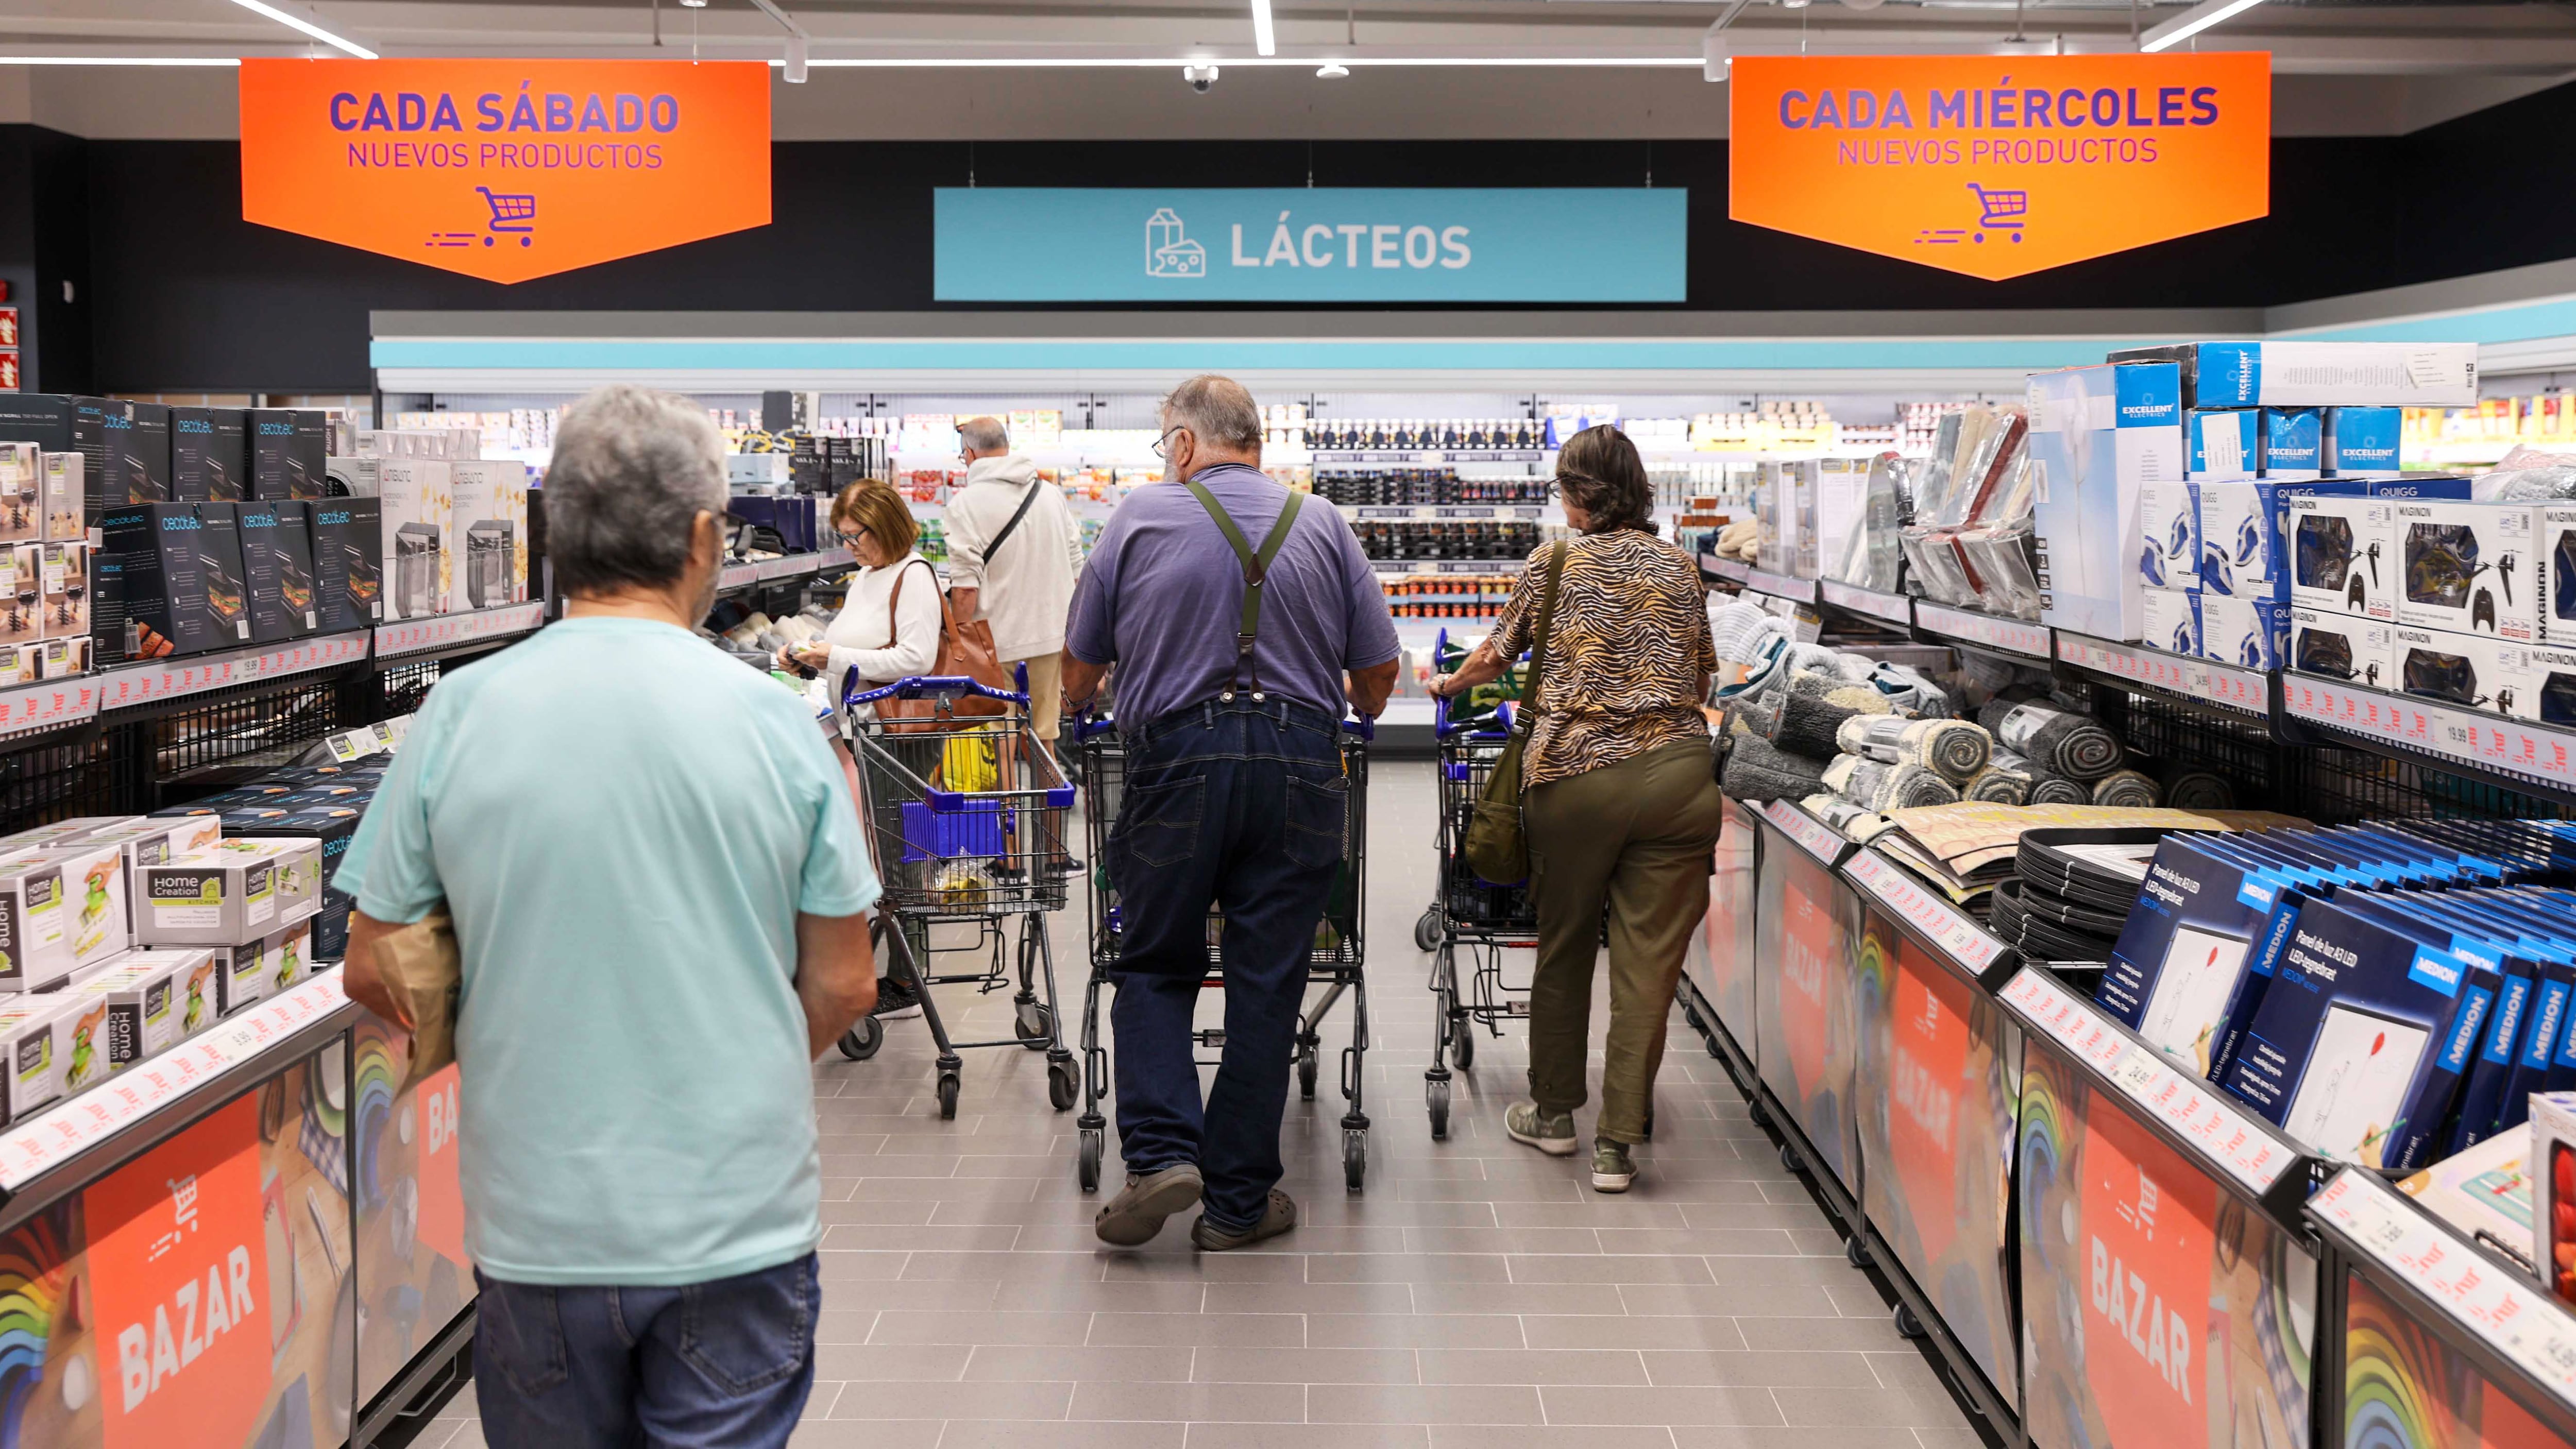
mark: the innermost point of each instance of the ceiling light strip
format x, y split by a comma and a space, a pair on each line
2192, 22
1264, 37
308, 27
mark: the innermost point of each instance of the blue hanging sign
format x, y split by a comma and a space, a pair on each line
1301, 244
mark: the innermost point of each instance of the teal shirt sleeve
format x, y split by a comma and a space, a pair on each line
389, 866
837, 880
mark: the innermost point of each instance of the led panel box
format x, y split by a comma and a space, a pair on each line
209, 455
168, 581
2469, 568
2097, 436
2343, 556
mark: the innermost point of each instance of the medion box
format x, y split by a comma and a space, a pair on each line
2469, 568
168, 581
209, 455
2343, 557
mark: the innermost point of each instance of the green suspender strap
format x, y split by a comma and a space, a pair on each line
1256, 568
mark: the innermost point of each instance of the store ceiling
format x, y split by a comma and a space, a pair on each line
1108, 69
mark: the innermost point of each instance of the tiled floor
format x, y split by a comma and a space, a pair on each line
1477, 1294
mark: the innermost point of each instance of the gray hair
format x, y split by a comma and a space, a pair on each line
633, 468
984, 435
1218, 409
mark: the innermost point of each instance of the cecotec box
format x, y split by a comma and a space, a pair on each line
2226, 444
2097, 436
2472, 671
65, 490
2169, 527
277, 569
348, 583
2253, 633
2363, 442
488, 500
2171, 620
2343, 557
169, 581
209, 455
2320, 374
288, 453
419, 533
2469, 568
138, 452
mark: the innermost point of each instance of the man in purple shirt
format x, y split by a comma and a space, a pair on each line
1241, 617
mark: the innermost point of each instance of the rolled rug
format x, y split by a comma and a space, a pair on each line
2128, 790
1998, 787
1808, 723
1756, 771
1858, 823
1886, 788
2058, 740
1955, 749
1838, 776
2199, 790
1875, 737
2052, 789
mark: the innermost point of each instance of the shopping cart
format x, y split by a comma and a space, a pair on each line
966, 821
1469, 915
1334, 963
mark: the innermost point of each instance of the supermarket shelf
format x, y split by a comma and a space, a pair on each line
1814, 836
769, 570
420, 636
1984, 631
1949, 932
1724, 568
2518, 754
2228, 1143
1781, 586
135, 685
1447, 565
2243, 693
1896, 609
1326, 457
47, 705
1443, 512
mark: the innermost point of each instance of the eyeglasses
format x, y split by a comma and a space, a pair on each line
734, 526
1163, 444
850, 537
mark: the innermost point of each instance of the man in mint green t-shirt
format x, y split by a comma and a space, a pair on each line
658, 882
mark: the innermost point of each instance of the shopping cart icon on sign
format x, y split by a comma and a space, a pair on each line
511, 214
2004, 211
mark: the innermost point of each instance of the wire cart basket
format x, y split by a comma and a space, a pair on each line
1334, 963
1469, 915
966, 818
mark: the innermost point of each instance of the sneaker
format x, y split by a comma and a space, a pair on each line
1551, 1133
1612, 1169
1065, 865
896, 999
1277, 1218
1135, 1215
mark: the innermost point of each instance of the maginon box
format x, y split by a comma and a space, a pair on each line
2343, 556
2469, 568
2340, 646
2471, 671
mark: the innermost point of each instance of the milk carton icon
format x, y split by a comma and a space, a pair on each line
1167, 252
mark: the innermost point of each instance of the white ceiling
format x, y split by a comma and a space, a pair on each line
2343, 69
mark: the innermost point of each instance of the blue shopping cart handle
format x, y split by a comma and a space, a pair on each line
1443, 729
933, 686
1364, 728
1090, 724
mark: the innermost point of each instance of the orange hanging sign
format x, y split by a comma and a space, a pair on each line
505, 169
1999, 165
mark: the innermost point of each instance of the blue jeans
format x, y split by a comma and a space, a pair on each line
725, 1364
1240, 807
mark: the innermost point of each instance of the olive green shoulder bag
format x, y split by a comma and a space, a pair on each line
1497, 846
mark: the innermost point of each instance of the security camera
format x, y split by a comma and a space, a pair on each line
1202, 78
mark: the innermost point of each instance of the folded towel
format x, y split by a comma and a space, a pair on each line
1757, 771
2058, 740
2128, 789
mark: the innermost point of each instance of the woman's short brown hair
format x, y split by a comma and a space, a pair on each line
872, 504
1599, 472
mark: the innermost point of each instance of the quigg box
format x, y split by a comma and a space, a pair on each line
168, 581
2469, 568
2320, 374
31, 1066
2363, 442
419, 525
2293, 444
2225, 444
22, 492
60, 424
209, 455
2169, 528
2097, 436
2250, 633
489, 502
277, 569
2471, 671
64, 488
2170, 620
288, 453
2343, 555
345, 536
62, 574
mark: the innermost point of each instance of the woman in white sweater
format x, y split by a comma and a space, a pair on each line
882, 632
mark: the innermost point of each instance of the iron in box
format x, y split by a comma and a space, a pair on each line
168, 581
2468, 568
2343, 555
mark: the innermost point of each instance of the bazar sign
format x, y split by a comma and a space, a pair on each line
1310, 244
505, 169
2000, 165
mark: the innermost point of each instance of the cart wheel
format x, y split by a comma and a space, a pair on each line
1789, 1157
947, 1096
1062, 1085
1462, 1041
1426, 932
1354, 1160
1036, 1026
1856, 1251
1439, 1097
1087, 1171
860, 1042
1308, 1066
1907, 1325
1711, 1039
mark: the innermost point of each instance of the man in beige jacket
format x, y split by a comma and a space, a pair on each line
1013, 551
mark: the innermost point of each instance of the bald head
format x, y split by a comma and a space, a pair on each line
1218, 411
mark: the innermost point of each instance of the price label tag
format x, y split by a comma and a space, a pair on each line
44, 706
2520, 748
1810, 833
1909, 900
1895, 609
1781, 586
834, 558
738, 576
2012, 636
1727, 568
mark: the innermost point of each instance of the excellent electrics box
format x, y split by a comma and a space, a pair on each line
2469, 568
2471, 671
288, 453
60, 424
209, 455
2097, 436
62, 573
277, 569
22, 488
2251, 633
2320, 374
2293, 444
2170, 620
418, 533
2363, 442
31, 1067
489, 503
346, 535
168, 580
2169, 529
2225, 444
2343, 555
64, 488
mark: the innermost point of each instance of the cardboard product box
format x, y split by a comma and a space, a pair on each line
2553, 1190
150, 840
35, 922
240, 976
2226, 444
61, 424
2169, 532
2469, 568
346, 538
2551, 682
286, 958
299, 862
2319, 374
2170, 620
220, 897
2343, 554
209, 455
277, 568
2557, 548
289, 453
2293, 444
488, 500
22, 593
168, 581
2363, 442
148, 1002
419, 524
22, 491
2251, 633
138, 453
2470, 671
358, 477
54, 659
64, 490
31, 1052
63, 578
196, 975
96, 924
2097, 436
